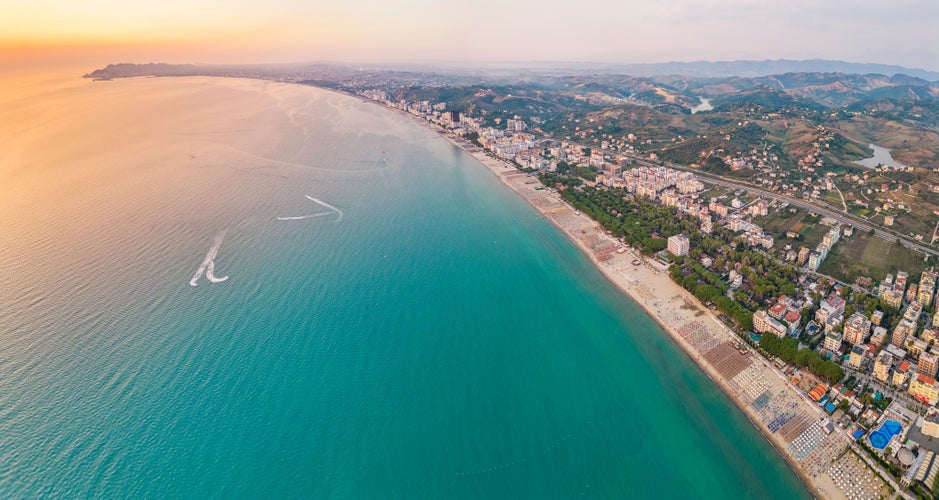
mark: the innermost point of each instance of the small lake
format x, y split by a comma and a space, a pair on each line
704, 106
881, 157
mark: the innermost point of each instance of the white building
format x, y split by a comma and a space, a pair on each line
679, 245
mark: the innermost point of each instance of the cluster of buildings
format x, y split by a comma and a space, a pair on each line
650, 181
905, 357
781, 319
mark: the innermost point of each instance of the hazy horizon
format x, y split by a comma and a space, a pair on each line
418, 31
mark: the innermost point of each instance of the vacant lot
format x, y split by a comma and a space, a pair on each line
863, 255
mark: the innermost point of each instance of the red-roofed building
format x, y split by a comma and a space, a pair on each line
925, 389
901, 374
792, 319
778, 311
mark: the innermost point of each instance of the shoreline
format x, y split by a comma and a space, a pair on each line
607, 269
647, 287
745, 378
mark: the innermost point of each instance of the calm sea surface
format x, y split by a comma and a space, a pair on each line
412, 328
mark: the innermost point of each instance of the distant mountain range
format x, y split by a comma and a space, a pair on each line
723, 69
772, 84
712, 69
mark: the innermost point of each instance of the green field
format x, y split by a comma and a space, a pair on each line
863, 255
778, 222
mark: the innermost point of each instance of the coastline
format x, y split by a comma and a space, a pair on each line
746, 375
666, 299
651, 288
744, 378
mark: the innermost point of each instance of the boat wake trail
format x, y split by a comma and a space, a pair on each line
327, 205
333, 210
208, 265
301, 217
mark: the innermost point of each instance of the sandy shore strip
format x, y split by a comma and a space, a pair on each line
785, 417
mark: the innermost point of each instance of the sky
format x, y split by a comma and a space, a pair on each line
613, 31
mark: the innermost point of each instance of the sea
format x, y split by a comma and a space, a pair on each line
249, 289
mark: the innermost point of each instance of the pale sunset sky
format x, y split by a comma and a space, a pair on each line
616, 31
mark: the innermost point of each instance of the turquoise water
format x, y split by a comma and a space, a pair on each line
438, 340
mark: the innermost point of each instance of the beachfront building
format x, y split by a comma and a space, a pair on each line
763, 323
679, 245
924, 388
928, 364
882, 367
833, 341
856, 328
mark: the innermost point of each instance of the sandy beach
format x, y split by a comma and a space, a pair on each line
792, 423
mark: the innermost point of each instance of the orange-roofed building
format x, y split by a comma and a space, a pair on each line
792, 319
778, 310
817, 392
901, 374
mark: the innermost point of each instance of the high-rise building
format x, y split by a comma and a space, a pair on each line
763, 323
927, 287
679, 244
856, 328
931, 424
901, 374
903, 330
803, 255
879, 337
928, 363
833, 341
882, 367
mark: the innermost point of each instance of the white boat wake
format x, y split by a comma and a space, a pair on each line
208, 265
327, 205
318, 214
301, 217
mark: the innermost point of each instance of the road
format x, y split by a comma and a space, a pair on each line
840, 217
843, 218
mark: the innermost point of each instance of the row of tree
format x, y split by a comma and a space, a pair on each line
788, 350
